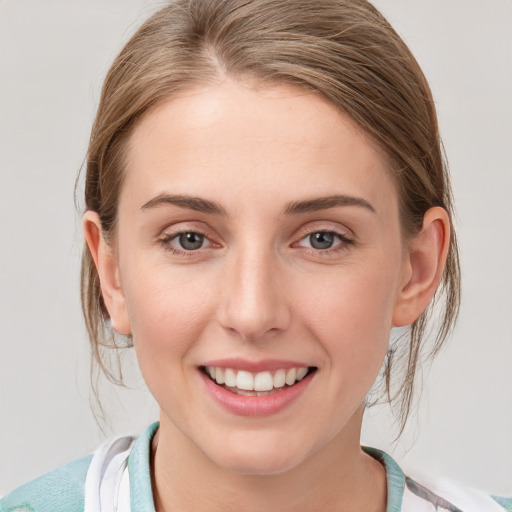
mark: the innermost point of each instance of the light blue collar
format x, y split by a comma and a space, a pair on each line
139, 467
395, 479
141, 495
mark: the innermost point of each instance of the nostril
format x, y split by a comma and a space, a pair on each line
252, 306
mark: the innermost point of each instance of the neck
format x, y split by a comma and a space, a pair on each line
340, 477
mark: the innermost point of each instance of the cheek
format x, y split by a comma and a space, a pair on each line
351, 316
168, 310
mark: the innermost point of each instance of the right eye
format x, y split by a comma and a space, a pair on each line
186, 241
323, 240
190, 241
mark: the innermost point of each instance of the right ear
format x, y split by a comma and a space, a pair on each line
108, 271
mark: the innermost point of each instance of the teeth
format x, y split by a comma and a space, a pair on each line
219, 375
230, 378
279, 379
301, 373
245, 380
262, 381
291, 376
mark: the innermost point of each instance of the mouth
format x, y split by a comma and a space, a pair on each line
242, 382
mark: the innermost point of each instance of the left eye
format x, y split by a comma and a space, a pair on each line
322, 240
189, 241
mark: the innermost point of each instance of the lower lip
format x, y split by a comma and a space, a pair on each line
256, 405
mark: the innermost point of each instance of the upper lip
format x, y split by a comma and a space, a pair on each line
255, 366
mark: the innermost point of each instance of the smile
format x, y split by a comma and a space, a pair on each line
264, 383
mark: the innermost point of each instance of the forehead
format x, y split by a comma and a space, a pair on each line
226, 138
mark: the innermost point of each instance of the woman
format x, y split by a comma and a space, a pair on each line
266, 199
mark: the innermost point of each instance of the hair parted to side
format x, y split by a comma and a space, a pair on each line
342, 49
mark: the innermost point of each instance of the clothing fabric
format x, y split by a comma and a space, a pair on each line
117, 479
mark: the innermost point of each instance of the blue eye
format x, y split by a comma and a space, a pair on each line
190, 241
322, 240
325, 240
186, 241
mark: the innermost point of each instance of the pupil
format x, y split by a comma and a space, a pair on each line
191, 241
321, 240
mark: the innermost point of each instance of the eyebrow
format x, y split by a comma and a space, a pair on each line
197, 204
324, 203
296, 207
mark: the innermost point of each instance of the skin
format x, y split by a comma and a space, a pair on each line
258, 289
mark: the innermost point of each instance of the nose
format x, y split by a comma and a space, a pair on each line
253, 304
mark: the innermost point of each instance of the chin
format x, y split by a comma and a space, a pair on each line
259, 465
255, 459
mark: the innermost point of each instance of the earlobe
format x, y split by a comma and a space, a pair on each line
108, 271
425, 264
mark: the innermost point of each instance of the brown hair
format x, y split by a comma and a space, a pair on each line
344, 50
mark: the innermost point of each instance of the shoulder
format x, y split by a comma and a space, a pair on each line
61, 490
447, 495
415, 492
89, 483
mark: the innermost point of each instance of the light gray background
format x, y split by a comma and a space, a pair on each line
53, 56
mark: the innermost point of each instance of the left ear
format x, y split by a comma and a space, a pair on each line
424, 266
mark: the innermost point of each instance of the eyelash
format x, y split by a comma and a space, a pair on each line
344, 242
166, 242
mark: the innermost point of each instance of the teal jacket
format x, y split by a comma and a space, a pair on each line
120, 472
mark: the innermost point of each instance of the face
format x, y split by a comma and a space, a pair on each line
258, 245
